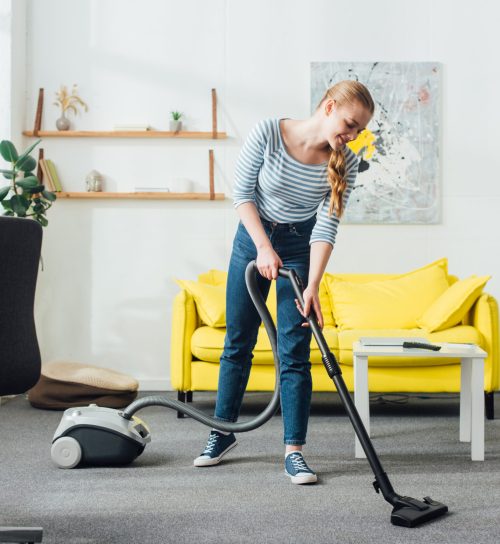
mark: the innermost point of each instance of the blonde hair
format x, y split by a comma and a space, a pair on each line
344, 91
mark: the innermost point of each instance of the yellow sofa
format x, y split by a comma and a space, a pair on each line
401, 309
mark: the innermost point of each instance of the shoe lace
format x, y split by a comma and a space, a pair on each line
299, 463
212, 440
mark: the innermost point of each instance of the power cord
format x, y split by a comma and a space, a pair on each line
389, 398
401, 398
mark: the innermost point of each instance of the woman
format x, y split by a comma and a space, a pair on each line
285, 170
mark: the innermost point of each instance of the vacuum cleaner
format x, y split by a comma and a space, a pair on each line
97, 436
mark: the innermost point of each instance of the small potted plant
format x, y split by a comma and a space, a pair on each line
25, 195
67, 102
175, 122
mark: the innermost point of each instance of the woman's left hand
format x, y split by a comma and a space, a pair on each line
311, 300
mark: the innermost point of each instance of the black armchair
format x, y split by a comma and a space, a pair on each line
20, 247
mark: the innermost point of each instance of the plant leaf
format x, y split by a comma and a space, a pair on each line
8, 151
28, 151
35, 190
19, 205
31, 178
49, 196
42, 220
27, 184
26, 164
7, 173
4, 191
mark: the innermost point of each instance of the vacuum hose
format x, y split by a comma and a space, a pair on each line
269, 411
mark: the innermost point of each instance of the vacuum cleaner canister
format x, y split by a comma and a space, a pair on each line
93, 435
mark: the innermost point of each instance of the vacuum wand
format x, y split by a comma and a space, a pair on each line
407, 511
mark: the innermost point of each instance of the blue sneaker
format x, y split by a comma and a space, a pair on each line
297, 469
217, 446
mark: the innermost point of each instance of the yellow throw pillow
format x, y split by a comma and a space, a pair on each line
210, 301
328, 278
394, 303
326, 306
213, 277
369, 277
452, 306
440, 263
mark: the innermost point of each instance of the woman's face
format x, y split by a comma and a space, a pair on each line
344, 123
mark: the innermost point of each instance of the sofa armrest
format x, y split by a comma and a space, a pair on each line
484, 317
184, 323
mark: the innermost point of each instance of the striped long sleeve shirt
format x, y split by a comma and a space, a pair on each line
283, 189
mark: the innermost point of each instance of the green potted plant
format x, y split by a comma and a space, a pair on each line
25, 194
175, 122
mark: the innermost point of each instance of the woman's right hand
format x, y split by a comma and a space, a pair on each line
268, 262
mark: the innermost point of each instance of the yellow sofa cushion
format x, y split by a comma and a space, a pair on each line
394, 303
210, 301
450, 308
207, 344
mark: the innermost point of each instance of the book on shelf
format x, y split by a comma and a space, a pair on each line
46, 178
50, 177
54, 176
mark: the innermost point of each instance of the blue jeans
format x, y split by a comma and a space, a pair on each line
291, 243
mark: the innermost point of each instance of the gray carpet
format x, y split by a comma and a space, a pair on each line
162, 498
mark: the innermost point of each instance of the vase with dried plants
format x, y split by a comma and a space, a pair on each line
67, 102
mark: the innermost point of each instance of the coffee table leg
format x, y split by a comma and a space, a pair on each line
361, 398
465, 399
477, 415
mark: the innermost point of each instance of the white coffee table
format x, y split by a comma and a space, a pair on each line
471, 388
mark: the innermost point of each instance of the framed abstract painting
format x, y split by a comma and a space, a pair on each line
398, 178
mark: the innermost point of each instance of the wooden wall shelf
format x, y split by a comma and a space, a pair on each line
143, 196
126, 134
213, 135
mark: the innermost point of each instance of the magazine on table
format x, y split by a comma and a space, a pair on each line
379, 341
390, 341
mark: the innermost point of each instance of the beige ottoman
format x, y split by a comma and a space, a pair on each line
65, 385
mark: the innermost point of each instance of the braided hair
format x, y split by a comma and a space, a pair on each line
342, 92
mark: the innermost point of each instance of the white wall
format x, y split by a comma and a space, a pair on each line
12, 68
106, 292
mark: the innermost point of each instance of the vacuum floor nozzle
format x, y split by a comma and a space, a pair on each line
409, 512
